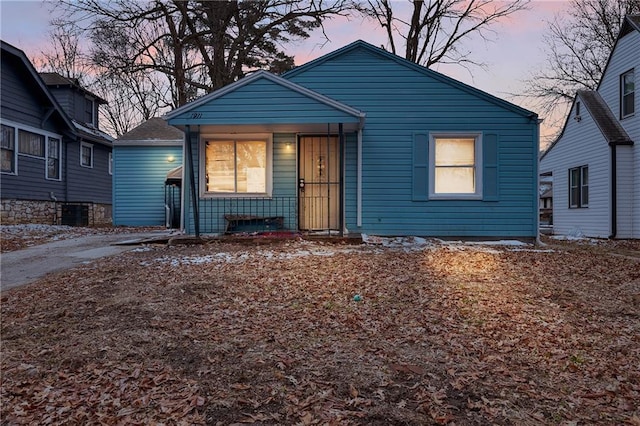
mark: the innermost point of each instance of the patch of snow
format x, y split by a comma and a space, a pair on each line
574, 238
141, 249
403, 243
31, 228
498, 243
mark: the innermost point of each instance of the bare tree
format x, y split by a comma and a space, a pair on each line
132, 97
579, 43
64, 55
434, 31
197, 46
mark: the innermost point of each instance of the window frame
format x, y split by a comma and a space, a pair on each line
90, 147
14, 163
580, 187
90, 108
17, 127
236, 137
623, 95
477, 166
48, 158
110, 160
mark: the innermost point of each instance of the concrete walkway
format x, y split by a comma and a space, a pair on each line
25, 266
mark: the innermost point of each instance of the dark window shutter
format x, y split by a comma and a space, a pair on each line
420, 178
490, 176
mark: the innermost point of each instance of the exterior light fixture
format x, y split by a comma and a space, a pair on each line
171, 159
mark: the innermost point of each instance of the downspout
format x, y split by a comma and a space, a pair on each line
192, 182
536, 163
614, 191
359, 180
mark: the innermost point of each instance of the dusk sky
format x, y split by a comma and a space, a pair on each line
515, 52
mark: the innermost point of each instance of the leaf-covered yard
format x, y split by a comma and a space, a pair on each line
227, 333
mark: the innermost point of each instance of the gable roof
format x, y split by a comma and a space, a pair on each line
360, 44
55, 79
602, 115
609, 126
154, 129
35, 78
631, 23
274, 79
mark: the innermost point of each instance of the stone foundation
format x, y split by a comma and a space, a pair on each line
14, 212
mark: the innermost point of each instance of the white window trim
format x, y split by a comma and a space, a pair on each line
580, 187
622, 114
477, 195
90, 146
268, 137
46, 164
20, 126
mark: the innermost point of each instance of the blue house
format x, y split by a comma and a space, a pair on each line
147, 175
56, 162
359, 141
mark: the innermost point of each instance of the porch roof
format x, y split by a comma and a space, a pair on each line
265, 101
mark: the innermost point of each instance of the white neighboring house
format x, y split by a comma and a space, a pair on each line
595, 162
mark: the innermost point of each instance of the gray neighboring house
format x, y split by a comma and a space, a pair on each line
595, 162
147, 178
56, 162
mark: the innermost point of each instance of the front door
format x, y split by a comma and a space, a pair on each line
319, 183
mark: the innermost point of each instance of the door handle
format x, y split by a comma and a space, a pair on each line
301, 184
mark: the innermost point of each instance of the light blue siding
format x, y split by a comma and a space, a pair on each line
138, 197
263, 102
402, 102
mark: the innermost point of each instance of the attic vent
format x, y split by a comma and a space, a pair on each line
577, 116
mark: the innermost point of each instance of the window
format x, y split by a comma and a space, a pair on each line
53, 158
454, 166
237, 166
627, 94
8, 144
19, 140
89, 111
86, 155
111, 163
30, 143
579, 187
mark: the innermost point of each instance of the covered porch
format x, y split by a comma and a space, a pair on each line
286, 162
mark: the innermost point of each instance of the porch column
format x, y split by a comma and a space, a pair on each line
342, 183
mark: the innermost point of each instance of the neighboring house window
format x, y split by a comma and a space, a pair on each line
53, 158
86, 155
30, 143
8, 149
238, 165
627, 94
89, 113
579, 187
20, 140
454, 166
111, 163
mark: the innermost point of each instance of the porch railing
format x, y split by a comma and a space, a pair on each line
248, 215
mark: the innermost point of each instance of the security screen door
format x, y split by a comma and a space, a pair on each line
319, 183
